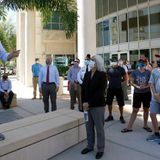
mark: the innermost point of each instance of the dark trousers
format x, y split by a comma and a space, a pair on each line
6, 101
96, 121
75, 92
49, 90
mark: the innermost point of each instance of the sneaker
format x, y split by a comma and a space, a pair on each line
109, 118
86, 150
122, 119
153, 137
2, 137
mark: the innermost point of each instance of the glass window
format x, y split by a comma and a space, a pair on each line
122, 4
54, 23
115, 56
112, 6
123, 56
145, 54
123, 28
99, 33
143, 24
105, 7
132, 3
106, 32
142, 1
133, 57
113, 30
155, 21
106, 59
133, 29
99, 9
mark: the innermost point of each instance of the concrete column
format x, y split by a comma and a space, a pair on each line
30, 46
21, 45
86, 28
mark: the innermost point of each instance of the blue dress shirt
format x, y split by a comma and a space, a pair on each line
53, 75
3, 53
5, 85
36, 69
72, 73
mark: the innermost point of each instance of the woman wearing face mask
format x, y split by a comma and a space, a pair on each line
140, 81
94, 84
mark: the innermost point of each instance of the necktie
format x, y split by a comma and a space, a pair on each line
47, 76
86, 68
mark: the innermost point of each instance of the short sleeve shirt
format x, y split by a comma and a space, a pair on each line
115, 75
141, 79
155, 80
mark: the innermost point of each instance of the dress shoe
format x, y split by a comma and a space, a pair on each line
33, 98
2, 137
86, 150
99, 155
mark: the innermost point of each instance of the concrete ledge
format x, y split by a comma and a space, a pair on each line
43, 136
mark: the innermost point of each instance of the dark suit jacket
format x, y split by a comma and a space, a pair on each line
94, 89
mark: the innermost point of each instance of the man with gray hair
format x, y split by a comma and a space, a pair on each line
49, 84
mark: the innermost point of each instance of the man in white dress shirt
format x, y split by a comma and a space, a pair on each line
49, 84
4, 56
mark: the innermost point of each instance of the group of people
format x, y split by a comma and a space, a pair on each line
93, 97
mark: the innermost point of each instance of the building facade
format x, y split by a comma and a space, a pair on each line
36, 40
127, 29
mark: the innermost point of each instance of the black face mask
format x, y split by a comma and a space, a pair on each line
158, 63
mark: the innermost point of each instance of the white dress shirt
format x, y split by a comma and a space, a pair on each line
53, 75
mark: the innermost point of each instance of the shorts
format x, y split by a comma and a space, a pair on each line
139, 98
115, 92
154, 107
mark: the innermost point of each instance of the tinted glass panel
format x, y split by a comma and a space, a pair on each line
123, 29
143, 24
133, 29
132, 3
155, 21
112, 6
106, 32
105, 7
122, 4
113, 30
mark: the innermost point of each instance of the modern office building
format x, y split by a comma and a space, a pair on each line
36, 40
127, 29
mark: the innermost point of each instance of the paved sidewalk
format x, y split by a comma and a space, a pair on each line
119, 146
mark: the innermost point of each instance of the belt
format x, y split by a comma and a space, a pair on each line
49, 83
35, 76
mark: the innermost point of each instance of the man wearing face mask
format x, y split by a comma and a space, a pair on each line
5, 91
80, 76
49, 84
155, 102
74, 86
142, 95
116, 74
35, 72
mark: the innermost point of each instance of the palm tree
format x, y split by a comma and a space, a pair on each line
67, 10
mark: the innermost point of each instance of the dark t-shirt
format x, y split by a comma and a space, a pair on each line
115, 76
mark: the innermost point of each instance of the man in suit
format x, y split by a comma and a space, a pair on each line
49, 84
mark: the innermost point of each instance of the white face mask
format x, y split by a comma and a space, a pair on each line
113, 63
91, 64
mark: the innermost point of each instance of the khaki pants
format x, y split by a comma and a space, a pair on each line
35, 83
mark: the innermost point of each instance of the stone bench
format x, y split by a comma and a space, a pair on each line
14, 102
42, 136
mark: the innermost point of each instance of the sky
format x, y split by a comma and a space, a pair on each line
11, 16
